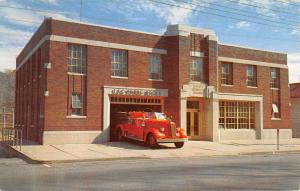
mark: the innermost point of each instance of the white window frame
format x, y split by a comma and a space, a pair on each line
119, 63
196, 69
274, 78
76, 59
155, 67
251, 78
76, 104
226, 73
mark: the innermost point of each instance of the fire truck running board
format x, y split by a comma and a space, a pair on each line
133, 138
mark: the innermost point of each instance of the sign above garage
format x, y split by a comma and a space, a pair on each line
137, 91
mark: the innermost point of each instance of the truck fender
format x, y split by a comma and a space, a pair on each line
152, 131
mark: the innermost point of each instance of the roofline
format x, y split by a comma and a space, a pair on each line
239, 46
104, 26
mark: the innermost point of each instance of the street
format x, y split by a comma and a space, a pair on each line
256, 172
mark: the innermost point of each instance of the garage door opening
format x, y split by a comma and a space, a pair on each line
120, 105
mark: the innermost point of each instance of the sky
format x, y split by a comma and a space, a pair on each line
263, 24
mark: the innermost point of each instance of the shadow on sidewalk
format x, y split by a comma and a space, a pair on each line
136, 145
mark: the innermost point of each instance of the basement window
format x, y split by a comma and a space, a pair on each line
76, 104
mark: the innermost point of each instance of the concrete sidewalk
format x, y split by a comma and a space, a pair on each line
132, 150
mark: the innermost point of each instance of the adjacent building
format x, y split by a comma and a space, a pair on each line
295, 101
72, 77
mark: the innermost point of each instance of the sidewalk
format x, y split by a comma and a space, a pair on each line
126, 150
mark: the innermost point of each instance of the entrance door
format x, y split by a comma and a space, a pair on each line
193, 119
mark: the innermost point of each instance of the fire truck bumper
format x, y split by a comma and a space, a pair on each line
171, 140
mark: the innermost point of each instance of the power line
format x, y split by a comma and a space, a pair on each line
239, 14
220, 15
150, 25
256, 5
239, 10
35, 10
290, 3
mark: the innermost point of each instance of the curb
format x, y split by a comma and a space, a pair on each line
14, 152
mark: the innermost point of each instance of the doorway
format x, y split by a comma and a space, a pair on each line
193, 119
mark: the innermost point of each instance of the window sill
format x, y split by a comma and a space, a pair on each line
275, 119
75, 74
251, 86
158, 80
119, 77
274, 88
75, 117
227, 85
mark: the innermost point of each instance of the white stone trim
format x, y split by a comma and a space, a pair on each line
258, 107
106, 105
184, 30
252, 62
197, 54
76, 117
240, 97
57, 38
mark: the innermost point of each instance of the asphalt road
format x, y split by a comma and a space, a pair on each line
273, 172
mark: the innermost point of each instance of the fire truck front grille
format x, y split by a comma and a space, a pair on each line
172, 130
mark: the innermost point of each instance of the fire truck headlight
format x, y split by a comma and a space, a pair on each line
162, 129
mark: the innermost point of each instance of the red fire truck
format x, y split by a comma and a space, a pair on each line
149, 127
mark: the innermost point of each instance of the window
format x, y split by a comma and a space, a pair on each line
77, 59
155, 67
119, 63
226, 73
274, 78
251, 76
237, 115
196, 69
76, 104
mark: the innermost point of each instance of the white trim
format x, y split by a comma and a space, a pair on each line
75, 74
240, 97
253, 87
156, 80
57, 38
227, 85
275, 119
252, 62
246, 47
119, 77
76, 117
196, 54
184, 30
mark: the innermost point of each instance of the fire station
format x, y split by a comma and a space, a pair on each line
72, 77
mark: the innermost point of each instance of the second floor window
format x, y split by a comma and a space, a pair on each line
274, 78
155, 67
226, 73
76, 104
77, 59
119, 63
196, 69
251, 76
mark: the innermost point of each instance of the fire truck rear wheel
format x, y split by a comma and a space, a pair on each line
179, 144
151, 141
119, 135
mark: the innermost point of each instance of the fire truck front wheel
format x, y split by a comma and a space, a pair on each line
119, 135
151, 141
179, 144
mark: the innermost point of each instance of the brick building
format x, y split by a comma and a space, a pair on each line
72, 77
295, 100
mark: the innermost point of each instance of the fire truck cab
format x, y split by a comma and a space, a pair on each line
149, 127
